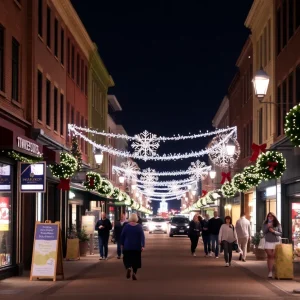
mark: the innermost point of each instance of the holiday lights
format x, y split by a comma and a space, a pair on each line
18, 157
66, 168
168, 183
198, 170
251, 176
106, 189
129, 168
292, 125
228, 190
240, 183
93, 181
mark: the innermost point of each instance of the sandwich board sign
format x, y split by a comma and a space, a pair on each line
47, 259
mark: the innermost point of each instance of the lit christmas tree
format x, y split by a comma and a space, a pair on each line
76, 152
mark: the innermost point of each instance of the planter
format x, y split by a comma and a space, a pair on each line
260, 254
83, 248
73, 252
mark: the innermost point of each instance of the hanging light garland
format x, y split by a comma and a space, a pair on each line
228, 190
240, 183
252, 176
292, 125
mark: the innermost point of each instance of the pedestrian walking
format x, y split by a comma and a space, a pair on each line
103, 227
273, 232
243, 231
118, 228
133, 243
194, 233
206, 236
228, 237
214, 226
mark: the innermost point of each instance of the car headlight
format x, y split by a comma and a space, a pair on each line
187, 226
172, 226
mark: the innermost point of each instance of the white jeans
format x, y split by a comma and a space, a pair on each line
243, 243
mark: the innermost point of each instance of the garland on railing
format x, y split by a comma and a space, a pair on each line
18, 157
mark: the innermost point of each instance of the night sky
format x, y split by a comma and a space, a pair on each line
172, 62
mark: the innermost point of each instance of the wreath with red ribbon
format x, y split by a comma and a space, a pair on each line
93, 181
271, 165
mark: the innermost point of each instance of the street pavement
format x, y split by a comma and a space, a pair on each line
169, 272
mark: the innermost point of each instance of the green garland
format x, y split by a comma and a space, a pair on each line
116, 193
66, 168
93, 181
106, 189
76, 152
18, 157
251, 176
268, 171
228, 190
292, 125
240, 183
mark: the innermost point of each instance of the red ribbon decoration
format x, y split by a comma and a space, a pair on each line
225, 176
272, 165
256, 149
204, 192
64, 184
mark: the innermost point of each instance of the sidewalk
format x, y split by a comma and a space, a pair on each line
259, 268
23, 288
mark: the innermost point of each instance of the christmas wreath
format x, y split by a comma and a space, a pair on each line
128, 201
106, 189
124, 196
252, 176
240, 183
292, 125
228, 190
93, 181
271, 165
116, 193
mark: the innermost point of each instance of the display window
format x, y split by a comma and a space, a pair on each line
296, 229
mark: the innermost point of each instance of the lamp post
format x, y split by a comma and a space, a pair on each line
230, 147
98, 156
261, 83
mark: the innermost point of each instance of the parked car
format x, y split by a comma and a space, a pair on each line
178, 226
145, 224
158, 225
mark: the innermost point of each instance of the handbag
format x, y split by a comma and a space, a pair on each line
262, 243
235, 246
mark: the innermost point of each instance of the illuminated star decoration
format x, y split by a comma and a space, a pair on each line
218, 152
198, 171
148, 177
146, 145
130, 169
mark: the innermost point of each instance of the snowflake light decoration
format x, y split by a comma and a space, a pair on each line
199, 170
218, 152
146, 144
148, 178
130, 169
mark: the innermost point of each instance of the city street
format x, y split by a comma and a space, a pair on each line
169, 272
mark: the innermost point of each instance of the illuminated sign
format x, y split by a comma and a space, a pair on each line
28, 146
5, 177
33, 177
271, 191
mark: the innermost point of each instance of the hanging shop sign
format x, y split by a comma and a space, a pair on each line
5, 177
33, 177
28, 146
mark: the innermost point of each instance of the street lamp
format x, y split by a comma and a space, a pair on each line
194, 193
98, 156
260, 83
121, 179
133, 187
230, 147
212, 174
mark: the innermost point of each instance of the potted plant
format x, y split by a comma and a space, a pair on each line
72, 244
260, 254
83, 241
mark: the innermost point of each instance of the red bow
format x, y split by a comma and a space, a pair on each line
204, 192
272, 165
256, 149
225, 176
64, 184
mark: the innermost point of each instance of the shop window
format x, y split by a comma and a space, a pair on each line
15, 69
296, 229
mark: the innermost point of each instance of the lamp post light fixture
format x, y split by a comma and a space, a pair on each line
212, 174
261, 83
230, 147
194, 193
98, 156
133, 187
121, 179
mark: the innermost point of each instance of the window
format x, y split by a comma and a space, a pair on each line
62, 46
73, 62
269, 40
284, 23
48, 27
86, 143
55, 108
56, 38
297, 9
62, 115
261, 51
278, 31
15, 69
69, 56
48, 102
78, 118
279, 132
2, 58
265, 46
86, 80
40, 17
291, 91
291, 18
244, 142
284, 101
82, 76
250, 137
78, 70
67, 120
72, 115
40, 96
298, 84
260, 126
82, 141
266, 108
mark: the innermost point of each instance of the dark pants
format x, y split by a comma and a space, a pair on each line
227, 251
215, 243
206, 242
194, 242
103, 245
119, 250
132, 259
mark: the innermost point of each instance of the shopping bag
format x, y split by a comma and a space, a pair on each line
261, 244
284, 267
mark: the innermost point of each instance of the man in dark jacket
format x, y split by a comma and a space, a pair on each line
214, 226
118, 231
103, 226
206, 235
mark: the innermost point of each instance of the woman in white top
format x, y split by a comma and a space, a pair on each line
227, 237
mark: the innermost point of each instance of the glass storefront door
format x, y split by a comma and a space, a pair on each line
271, 206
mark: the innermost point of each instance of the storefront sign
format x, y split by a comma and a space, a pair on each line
4, 213
28, 146
5, 177
33, 178
88, 224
